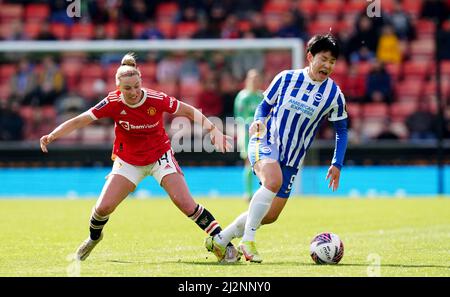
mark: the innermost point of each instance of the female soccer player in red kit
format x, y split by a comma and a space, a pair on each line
142, 148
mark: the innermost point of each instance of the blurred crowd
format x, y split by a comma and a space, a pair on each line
386, 71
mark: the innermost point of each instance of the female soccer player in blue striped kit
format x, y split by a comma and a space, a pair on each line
284, 126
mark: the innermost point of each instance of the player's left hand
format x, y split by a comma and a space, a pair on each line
333, 175
220, 141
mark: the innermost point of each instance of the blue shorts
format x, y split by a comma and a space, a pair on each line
259, 149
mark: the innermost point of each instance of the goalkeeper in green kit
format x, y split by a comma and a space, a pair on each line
244, 110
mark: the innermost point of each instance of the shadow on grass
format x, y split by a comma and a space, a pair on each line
209, 263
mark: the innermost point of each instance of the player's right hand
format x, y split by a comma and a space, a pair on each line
258, 128
46, 140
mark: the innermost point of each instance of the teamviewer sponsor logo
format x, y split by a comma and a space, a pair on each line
127, 126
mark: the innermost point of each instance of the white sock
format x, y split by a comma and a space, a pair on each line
234, 230
259, 206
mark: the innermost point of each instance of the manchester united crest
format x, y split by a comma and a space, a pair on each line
151, 111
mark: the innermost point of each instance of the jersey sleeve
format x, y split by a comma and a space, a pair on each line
339, 109
103, 109
273, 91
169, 104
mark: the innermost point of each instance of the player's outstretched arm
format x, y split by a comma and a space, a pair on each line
218, 139
65, 128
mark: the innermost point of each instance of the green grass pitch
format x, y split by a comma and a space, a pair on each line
150, 237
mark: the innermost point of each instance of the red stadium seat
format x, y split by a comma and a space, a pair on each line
93, 71
277, 7
148, 71
6, 71
5, 90
82, 31
415, 69
375, 110
394, 71
138, 28
363, 68
186, 29
167, 11
409, 90
59, 30
10, 12
111, 30
37, 12
353, 8
354, 110
413, 8
167, 28
399, 111
321, 27
190, 90
329, 10
422, 49
32, 29
425, 29
308, 8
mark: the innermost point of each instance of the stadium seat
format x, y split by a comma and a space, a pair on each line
413, 8
422, 49
32, 29
10, 12
137, 29
167, 28
375, 110
59, 30
111, 30
308, 8
94, 134
321, 27
93, 71
5, 90
82, 31
425, 29
399, 111
37, 12
170, 88
148, 71
363, 68
273, 21
415, 69
186, 29
167, 11
394, 71
353, 8
354, 110
329, 10
190, 90
276, 7
6, 71
408, 90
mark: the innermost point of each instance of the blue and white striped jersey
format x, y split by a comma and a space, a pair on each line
298, 106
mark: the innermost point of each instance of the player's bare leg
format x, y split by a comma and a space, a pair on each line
175, 186
270, 175
115, 190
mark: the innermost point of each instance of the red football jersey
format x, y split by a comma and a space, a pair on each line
139, 129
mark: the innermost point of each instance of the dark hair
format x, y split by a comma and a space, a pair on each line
323, 43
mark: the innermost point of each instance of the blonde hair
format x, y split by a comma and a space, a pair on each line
128, 67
